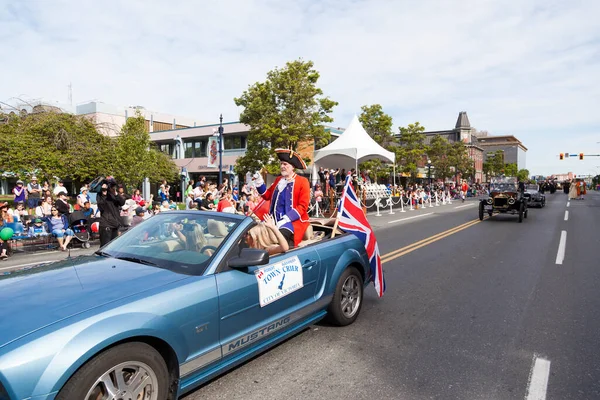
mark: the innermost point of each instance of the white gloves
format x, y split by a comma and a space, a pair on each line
257, 179
283, 221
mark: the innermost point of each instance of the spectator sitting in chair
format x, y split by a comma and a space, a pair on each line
19, 212
38, 228
59, 226
5, 216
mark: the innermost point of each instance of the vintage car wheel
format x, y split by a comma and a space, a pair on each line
347, 299
521, 212
481, 211
127, 371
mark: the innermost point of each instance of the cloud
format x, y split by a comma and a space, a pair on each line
528, 68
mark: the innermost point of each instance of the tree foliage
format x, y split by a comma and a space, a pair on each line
136, 156
378, 125
510, 169
462, 163
411, 148
284, 110
376, 169
494, 164
53, 144
438, 154
523, 175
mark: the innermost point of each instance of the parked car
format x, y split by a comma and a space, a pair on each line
534, 197
170, 304
505, 198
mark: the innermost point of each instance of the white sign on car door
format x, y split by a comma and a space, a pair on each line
278, 280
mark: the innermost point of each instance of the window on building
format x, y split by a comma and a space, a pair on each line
232, 142
200, 148
189, 149
166, 148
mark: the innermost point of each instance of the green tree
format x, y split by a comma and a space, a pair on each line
136, 156
510, 169
376, 169
378, 125
286, 109
459, 157
523, 174
53, 144
494, 164
411, 148
438, 155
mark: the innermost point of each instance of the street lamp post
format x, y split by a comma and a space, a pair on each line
220, 149
429, 166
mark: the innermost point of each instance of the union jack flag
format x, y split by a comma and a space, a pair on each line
351, 218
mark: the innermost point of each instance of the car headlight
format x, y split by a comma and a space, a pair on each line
511, 201
490, 200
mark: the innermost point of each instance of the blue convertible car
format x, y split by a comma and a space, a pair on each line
170, 304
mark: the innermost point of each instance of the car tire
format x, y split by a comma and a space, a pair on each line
131, 361
521, 213
481, 210
347, 298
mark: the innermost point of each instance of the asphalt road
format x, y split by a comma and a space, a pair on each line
473, 310
482, 313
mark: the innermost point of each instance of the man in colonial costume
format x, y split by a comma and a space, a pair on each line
289, 196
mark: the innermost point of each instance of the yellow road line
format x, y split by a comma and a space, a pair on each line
417, 245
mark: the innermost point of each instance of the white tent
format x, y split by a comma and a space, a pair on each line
351, 148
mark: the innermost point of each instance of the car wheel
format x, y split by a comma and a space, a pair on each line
481, 211
127, 371
347, 299
521, 212
86, 245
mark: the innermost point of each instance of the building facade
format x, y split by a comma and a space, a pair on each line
110, 118
463, 132
513, 150
195, 142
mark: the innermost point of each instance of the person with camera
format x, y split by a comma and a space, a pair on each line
109, 204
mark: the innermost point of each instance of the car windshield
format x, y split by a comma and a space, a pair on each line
504, 184
532, 187
184, 242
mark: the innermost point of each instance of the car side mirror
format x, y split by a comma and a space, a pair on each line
249, 257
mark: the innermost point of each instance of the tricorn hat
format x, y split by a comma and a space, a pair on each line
291, 157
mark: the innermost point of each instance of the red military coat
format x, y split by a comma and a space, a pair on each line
298, 203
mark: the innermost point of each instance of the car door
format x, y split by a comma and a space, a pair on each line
249, 314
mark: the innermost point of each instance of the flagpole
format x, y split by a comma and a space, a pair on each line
337, 214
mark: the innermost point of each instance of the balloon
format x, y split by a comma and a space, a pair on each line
6, 233
95, 227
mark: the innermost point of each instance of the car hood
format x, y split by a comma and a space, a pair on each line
36, 297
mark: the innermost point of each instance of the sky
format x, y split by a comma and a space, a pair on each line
527, 68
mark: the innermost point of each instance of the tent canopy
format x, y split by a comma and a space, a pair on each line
351, 148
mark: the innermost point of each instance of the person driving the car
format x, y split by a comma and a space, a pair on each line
192, 237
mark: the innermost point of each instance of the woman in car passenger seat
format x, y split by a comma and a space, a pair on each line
266, 236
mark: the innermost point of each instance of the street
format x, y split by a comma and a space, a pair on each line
484, 313
491, 309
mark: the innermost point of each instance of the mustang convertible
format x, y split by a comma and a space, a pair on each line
170, 304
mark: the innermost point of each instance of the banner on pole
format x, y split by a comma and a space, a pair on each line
213, 152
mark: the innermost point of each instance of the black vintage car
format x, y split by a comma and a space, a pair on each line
534, 197
505, 198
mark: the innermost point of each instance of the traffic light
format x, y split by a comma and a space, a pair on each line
561, 156
581, 156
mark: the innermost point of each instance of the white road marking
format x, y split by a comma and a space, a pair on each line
560, 256
466, 205
568, 203
404, 219
538, 379
566, 215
